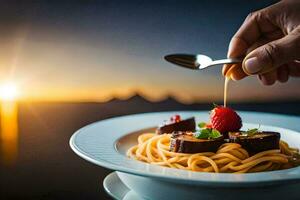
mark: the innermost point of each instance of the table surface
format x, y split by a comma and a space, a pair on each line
46, 167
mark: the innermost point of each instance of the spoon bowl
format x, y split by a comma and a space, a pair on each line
198, 61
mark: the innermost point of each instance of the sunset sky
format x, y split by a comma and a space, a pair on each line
98, 50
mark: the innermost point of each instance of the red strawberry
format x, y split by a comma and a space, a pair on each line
225, 119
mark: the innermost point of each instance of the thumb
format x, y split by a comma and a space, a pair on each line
268, 57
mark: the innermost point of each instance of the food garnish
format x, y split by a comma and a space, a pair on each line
206, 132
175, 118
252, 132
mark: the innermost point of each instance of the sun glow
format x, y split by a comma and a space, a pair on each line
8, 92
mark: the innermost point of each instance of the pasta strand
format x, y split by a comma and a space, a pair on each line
230, 157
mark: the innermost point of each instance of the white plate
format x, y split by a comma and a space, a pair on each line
119, 191
116, 188
97, 143
105, 143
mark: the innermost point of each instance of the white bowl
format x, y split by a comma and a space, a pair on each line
104, 143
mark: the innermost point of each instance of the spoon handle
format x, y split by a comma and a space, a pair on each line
226, 61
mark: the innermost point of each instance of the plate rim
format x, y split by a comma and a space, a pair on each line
107, 164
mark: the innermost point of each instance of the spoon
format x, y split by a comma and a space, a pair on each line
198, 61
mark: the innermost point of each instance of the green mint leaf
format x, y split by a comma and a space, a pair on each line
201, 124
203, 134
215, 134
208, 133
252, 132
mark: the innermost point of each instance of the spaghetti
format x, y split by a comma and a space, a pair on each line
230, 157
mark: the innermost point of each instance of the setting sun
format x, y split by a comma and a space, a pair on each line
8, 91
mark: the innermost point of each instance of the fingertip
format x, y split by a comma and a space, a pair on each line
236, 78
251, 65
283, 74
270, 82
225, 68
268, 78
284, 80
232, 69
263, 80
237, 74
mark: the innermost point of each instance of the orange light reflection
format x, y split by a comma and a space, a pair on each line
9, 132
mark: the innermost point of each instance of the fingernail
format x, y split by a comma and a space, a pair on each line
252, 65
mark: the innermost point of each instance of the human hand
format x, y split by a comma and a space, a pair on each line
269, 39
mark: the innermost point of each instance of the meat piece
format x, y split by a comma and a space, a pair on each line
186, 142
261, 141
183, 125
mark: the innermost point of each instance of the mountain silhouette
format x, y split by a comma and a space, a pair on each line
138, 104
